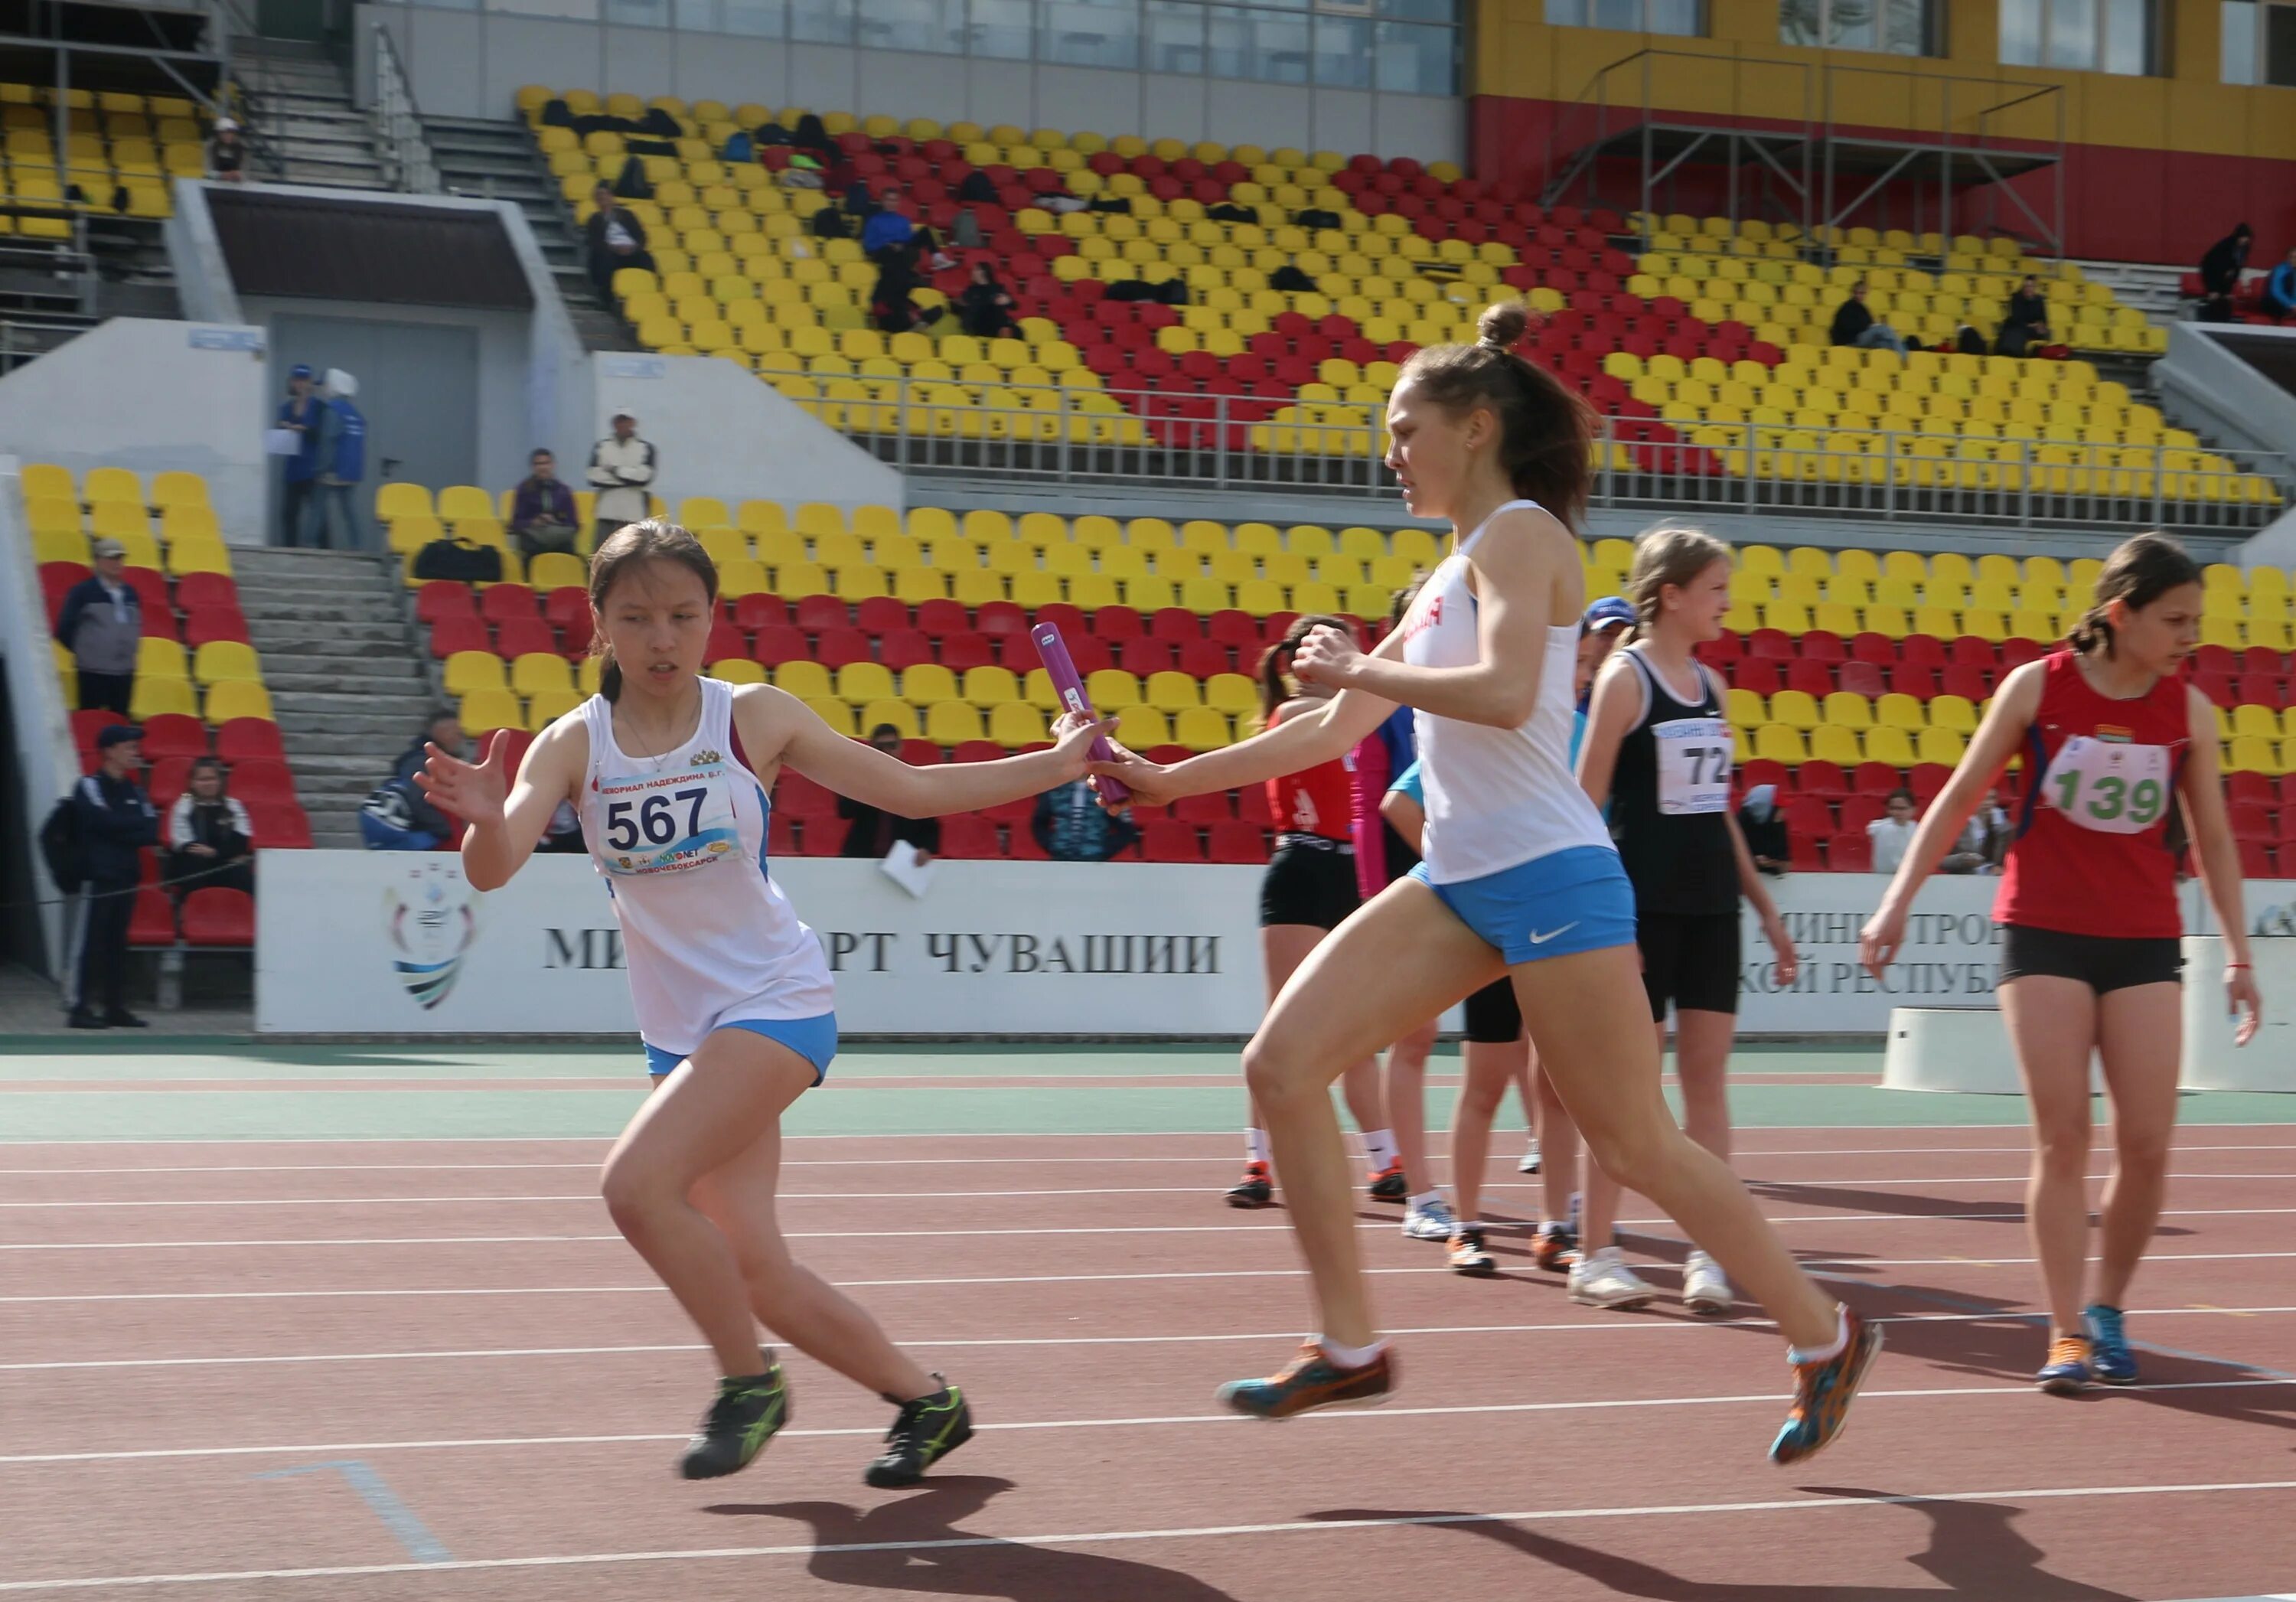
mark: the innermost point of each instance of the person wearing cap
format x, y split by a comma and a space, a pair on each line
342, 464
302, 413
1601, 627
115, 821
621, 470
102, 625
227, 154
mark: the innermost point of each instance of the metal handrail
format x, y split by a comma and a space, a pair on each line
1063, 435
399, 123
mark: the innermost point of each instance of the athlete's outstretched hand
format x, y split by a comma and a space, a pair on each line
1073, 734
1878, 941
473, 792
1328, 656
1149, 783
2245, 1002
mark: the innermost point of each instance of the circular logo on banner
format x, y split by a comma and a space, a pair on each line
432, 915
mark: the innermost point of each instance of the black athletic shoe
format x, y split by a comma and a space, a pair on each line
749, 1409
1255, 1189
84, 1019
923, 1433
119, 1017
1388, 1184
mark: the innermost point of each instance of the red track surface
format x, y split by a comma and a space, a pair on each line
177, 1321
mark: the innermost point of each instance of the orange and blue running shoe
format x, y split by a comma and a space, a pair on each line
1257, 1188
1312, 1381
2110, 1361
1823, 1393
1389, 1184
2069, 1370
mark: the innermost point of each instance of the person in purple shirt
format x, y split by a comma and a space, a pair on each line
542, 514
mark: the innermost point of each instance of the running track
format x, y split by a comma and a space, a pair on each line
354, 1360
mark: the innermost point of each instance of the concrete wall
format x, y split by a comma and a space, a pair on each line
472, 63
153, 396
720, 431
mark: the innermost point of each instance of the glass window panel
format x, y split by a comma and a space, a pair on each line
451, 4
1229, 32
1279, 48
1003, 29
1090, 33
699, 16
2280, 45
928, 25
1565, 13
2237, 56
2020, 33
2128, 36
638, 13
1433, 10
756, 19
1413, 60
2072, 35
1849, 24
1905, 27
1679, 18
1623, 16
1343, 52
821, 22
1175, 37
1801, 21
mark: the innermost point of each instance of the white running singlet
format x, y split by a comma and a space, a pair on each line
680, 839
1496, 798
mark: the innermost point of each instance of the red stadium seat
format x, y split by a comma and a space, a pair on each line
1818, 645
1928, 651
800, 797
1969, 682
941, 619
2251, 820
901, 649
881, 614
1813, 678
2017, 653
1176, 624
211, 623
440, 598
245, 737
215, 915
514, 743
1020, 844
1776, 644
2252, 787
1874, 778
91, 721
1926, 780
463, 632
756, 612
153, 921
1208, 808
1878, 649
1204, 659
1805, 852
1822, 780
500, 603
279, 825
1860, 809
840, 648
967, 836
1916, 679
166, 734
978, 750
1140, 656
526, 635
1850, 852
1860, 679
2256, 860
2216, 658
1236, 841
1808, 818
165, 781
725, 644
1001, 618
1115, 623
1763, 674
1169, 840
965, 650
195, 591
262, 779
566, 609
1252, 806
1762, 770
815, 613
779, 643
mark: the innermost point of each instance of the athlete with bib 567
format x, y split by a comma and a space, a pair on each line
670, 772
2113, 738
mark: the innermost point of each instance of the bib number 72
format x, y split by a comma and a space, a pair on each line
654, 819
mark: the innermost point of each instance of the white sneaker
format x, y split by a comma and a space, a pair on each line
1431, 1221
1529, 1163
1603, 1279
1705, 1288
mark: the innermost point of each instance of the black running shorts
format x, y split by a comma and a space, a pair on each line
1494, 1016
1308, 880
1690, 962
2103, 962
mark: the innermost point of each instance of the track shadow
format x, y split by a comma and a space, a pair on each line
918, 1547
1975, 1551
1885, 1204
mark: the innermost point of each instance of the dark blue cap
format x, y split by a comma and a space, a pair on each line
300, 370
1611, 610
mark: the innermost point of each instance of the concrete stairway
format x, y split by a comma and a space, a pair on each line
304, 119
496, 160
346, 675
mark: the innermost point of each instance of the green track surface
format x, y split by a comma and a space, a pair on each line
301, 1107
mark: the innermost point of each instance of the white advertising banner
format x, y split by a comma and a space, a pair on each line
358, 942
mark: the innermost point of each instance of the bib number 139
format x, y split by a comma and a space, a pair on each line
2110, 798
2111, 788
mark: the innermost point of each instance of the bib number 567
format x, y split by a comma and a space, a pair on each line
655, 818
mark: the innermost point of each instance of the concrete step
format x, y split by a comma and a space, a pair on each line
286, 638
373, 746
308, 610
364, 686
311, 175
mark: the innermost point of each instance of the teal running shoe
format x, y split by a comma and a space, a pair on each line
2108, 1356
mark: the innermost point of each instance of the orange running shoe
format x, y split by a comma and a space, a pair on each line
1389, 1184
1312, 1381
2071, 1366
1255, 1189
1823, 1393
1553, 1248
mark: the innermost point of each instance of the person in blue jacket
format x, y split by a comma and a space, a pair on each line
301, 411
342, 464
2279, 289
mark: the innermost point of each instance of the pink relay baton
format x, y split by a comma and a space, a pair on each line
1068, 684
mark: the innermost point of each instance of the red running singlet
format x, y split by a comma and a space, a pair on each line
2091, 855
1315, 800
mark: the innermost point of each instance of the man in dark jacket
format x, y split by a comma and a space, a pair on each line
872, 831
300, 412
614, 239
542, 512
2220, 271
1073, 827
102, 625
114, 820
397, 816
1853, 324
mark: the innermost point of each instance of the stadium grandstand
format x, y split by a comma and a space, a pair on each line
939, 324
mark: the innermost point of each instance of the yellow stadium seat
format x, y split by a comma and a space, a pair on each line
1012, 724
1198, 729
953, 723
1833, 743
178, 489
1775, 742
1232, 693
861, 682
1795, 709
44, 480
808, 681
61, 545
1847, 710
1886, 743
112, 484
1744, 709
550, 705
154, 696
1943, 746
737, 670
221, 660
198, 556
457, 501
1956, 712
396, 500
469, 671
160, 657
1899, 712
482, 710
538, 671
1112, 687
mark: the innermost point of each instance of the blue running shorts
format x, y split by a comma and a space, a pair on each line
1557, 905
813, 1039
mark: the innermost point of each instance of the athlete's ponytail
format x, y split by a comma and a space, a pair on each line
2137, 574
1275, 686
1666, 553
656, 539
1546, 432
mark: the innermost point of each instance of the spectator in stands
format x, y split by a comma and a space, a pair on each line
209, 834
102, 625
621, 470
1765, 829
893, 303
343, 466
227, 154
2026, 326
875, 832
542, 514
614, 239
301, 413
397, 816
966, 234
1984, 840
2279, 297
1855, 324
984, 308
114, 821
2220, 271
888, 229
1892, 835
1071, 826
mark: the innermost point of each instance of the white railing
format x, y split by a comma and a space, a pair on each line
1216, 441
405, 154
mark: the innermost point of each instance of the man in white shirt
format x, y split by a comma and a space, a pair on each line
1892, 835
621, 470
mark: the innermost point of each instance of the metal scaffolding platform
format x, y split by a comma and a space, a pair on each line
1830, 166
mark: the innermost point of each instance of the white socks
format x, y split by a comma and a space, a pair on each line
1255, 1145
1379, 1148
1349, 1357
1834, 1348
1426, 1197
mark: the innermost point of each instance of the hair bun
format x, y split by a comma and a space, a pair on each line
1503, 323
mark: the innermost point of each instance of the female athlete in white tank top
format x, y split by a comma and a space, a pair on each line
669, 771
1519, 878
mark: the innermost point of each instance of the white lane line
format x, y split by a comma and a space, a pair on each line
1151, 1421
1322, 1526
1606, 1328
1192, 1274
1238, 1229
